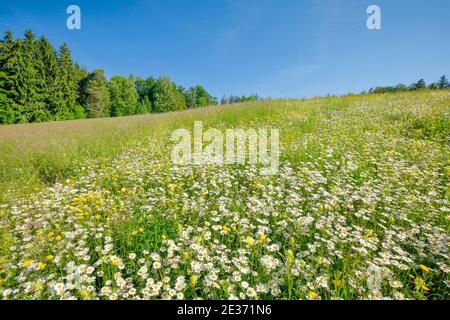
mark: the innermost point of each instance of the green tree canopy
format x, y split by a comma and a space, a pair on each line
124, 97
144, 89
166, 97
95, 95
197, 97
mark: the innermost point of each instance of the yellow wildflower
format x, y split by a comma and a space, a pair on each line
41, 266
262, 239
313, 296
27, 263
424, 268
420, 283
193, 280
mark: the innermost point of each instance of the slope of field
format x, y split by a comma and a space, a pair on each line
359, 209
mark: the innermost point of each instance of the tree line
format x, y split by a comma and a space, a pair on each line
238, 99
39, 83
419, 85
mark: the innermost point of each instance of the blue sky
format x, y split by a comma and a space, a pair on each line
277, 48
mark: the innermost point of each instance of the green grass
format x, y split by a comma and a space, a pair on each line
364, 178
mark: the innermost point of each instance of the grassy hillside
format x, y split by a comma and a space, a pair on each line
359, 209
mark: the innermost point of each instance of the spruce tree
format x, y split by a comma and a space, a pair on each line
67, 89
19, 77
28, 100
8, 113
47, 68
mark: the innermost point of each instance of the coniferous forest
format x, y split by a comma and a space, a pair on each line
39, 83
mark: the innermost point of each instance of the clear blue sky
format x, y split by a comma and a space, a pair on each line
277, 48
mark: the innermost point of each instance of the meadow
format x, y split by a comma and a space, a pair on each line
95, 209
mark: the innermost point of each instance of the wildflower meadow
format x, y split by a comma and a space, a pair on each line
359, 207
